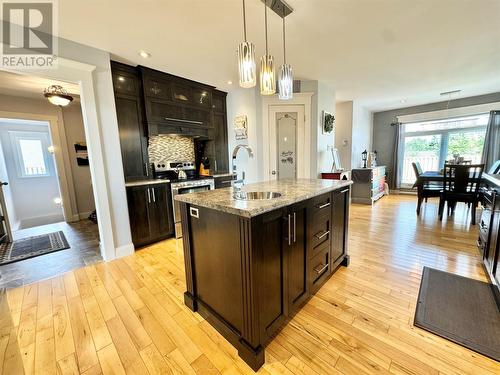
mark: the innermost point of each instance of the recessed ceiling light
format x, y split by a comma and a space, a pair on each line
229, 82
144, 54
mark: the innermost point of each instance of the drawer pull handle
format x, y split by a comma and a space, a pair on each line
320, 269
320, 236
194, 212
344, 191
226, 182
321, 206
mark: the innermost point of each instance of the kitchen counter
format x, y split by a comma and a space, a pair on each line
151, 181
292, 191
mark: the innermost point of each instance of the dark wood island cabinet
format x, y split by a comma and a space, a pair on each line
251, 265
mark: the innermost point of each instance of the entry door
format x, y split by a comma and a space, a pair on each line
286, 142
5, 232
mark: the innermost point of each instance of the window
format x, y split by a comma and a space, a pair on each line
31, 153
431, 143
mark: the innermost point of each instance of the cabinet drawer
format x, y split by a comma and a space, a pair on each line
319, 269
321, 205
319, 234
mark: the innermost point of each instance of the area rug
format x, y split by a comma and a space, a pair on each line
459, 309
32, 247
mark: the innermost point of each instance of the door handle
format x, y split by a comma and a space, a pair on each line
149, 196
294, 227
3, 183
147, 169
344, 191
321, 206
154, 197
273, 172
320, 236
289, 231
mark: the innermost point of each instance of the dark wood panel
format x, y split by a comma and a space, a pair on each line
161, 218
220, 132
340, 218
138, 204
215, 236
297, 258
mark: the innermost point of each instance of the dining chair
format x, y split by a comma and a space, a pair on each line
461, 183
495, 168
428, 190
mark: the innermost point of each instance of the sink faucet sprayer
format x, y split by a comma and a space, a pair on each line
238, 183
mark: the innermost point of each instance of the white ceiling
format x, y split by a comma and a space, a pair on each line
376, 51
29, 86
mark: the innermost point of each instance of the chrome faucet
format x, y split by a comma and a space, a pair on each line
236, 184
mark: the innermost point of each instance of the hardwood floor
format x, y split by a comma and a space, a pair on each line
127, 316
83, 239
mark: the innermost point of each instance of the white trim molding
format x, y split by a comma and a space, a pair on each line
449, 113
299, 99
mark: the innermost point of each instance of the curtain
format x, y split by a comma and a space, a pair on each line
491, 149
394, 182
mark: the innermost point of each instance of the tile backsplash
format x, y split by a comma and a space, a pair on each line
164, 148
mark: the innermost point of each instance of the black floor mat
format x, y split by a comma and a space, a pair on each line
459, 309
32, 246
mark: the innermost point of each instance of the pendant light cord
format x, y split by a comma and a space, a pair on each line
284, 42
244, 21
265, 20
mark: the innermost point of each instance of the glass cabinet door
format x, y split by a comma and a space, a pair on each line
182, 93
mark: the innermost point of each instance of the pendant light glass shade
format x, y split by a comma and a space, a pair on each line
246, 65
285, 82
267, 75
246, 58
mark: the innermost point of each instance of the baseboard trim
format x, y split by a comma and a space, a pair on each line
122, 251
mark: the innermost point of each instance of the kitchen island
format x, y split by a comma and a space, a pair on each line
251, 264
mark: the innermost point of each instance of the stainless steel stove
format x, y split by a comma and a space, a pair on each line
183, 180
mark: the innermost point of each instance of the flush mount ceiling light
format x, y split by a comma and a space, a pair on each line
144, 54
246, 58
57, 95
267, 72
285, 79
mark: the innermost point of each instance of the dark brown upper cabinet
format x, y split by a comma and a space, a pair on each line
175, 101
131, 121
221, 157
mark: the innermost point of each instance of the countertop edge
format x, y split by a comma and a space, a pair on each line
146, 182
244, 213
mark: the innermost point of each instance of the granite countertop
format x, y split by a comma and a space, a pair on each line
292, 191
151, 181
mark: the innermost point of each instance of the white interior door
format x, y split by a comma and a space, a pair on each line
286, 142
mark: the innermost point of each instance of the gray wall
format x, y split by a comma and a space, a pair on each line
384, 133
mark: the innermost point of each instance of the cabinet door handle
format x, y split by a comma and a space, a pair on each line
149, 196
216, 169
321, 206
320, 236
289, 231
226, 182
320, 268
294, 227
154, 197
344, 191
147, 169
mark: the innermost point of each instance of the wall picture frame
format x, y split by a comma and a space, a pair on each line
327, 122
241, 127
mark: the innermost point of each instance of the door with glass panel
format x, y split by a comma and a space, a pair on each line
424, 149
284, 145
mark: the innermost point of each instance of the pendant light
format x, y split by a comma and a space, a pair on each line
267, 73
246, 58
285, 79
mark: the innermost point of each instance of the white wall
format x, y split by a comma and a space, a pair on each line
343, 133
362, 131
75, 133
326, 102
244, 102
32, 198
